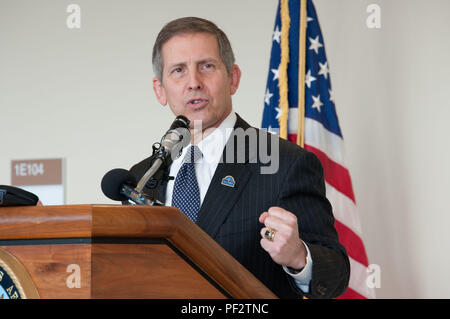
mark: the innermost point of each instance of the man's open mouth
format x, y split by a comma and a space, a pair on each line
197, 102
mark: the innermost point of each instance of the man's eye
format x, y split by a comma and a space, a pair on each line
177, 70
208, 66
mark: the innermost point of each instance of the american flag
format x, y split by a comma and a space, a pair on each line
322, 133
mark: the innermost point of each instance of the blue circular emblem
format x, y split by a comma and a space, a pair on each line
8, 289
15, 281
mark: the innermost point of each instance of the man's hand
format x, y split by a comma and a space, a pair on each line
286, 248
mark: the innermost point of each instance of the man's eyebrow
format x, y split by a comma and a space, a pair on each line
207, 61
182, 64
175, 65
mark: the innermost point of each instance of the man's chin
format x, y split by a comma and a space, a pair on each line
200, 119
202, 124
204, 120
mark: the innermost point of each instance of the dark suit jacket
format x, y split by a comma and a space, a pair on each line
230, 216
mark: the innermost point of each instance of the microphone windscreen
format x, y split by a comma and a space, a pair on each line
180, 122
112, 183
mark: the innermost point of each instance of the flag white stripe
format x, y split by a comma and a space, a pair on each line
358, 279
319, 137
292, 120
344, 209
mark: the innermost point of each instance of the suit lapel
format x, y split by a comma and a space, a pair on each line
220, 197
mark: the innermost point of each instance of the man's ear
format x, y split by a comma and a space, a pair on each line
235, 78
159, 91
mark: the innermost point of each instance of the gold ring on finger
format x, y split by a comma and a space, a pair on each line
269, 234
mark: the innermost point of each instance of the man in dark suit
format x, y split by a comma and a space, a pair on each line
276, 221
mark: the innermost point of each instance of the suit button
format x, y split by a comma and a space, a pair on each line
321, 289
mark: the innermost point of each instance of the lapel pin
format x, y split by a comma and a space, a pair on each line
228, 181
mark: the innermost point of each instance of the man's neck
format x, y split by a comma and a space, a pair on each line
199, 133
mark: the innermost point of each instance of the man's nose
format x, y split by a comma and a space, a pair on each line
195, 82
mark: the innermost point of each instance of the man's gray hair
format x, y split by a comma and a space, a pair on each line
190, 25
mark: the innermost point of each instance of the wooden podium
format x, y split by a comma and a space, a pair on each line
109, 251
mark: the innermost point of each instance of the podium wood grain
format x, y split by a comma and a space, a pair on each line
47, 266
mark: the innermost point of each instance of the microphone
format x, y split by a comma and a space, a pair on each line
118, 184
170, 148
178, 131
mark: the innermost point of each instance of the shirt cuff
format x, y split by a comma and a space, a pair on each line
303, 278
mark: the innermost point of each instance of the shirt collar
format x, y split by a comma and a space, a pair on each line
213, 145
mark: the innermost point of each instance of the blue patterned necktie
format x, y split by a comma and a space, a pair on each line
186, 193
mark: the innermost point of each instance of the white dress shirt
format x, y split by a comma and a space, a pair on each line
212, 148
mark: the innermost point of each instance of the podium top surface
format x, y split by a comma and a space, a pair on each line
84, 221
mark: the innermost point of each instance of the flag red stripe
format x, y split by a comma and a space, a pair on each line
292, 138
351, 294
351, 242
335, 174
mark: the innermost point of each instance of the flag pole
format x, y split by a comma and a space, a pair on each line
283, 79
301, 75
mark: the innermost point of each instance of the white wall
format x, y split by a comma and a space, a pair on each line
392, 93
85, 95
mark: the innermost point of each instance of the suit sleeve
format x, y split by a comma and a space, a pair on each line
303, 194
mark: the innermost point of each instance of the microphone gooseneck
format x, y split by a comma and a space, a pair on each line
118, 184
